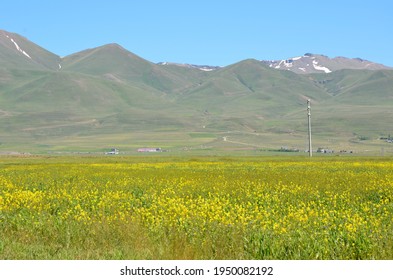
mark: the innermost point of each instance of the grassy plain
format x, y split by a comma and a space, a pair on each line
163, 207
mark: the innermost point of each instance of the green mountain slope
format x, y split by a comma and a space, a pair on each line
113, 62
365, 86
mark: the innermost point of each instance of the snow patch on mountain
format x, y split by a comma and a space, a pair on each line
206, 68
320, 68
18, 48
288, 63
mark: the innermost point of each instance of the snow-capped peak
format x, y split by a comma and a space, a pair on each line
314, 63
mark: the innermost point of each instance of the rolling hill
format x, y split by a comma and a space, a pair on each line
107, 96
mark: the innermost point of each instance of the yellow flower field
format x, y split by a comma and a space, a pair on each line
196, 208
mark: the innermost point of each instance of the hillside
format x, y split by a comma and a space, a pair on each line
107, 96
113, 62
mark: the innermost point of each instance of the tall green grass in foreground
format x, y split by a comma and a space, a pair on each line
196, 208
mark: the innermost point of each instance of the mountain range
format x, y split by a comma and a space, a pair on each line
109, 97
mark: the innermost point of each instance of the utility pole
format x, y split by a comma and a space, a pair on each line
309, 126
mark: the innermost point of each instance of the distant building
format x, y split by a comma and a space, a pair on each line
113, 151
149, 150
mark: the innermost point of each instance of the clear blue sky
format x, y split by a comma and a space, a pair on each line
214, 32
